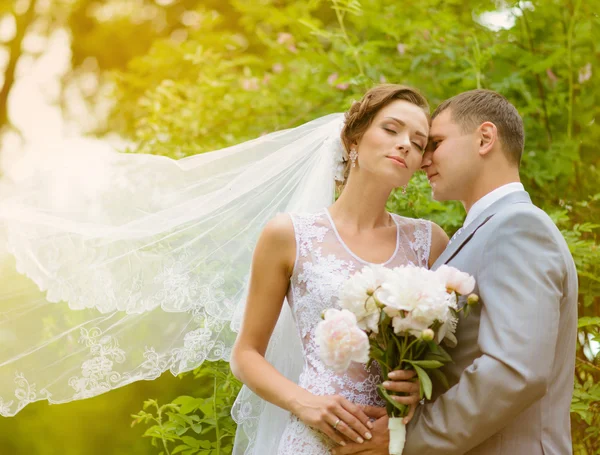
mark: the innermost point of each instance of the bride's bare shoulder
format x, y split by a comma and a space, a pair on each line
277, 242
280, 229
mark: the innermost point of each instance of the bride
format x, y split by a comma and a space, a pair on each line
118, 267
306, 257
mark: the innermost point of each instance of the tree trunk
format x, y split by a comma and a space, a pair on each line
15, 49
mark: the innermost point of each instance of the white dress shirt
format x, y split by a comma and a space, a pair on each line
487, 200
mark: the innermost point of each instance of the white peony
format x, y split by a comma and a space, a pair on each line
415, 298
455, 280
358, 296
408, 325
447, 330
340, 341
410, 287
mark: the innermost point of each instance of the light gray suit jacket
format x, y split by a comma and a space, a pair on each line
511, 382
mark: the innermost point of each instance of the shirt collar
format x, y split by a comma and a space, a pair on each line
493, 196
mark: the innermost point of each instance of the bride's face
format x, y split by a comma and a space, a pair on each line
392, 147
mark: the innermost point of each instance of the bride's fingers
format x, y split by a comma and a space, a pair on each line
401, 386
351, 427
328, 430
361, 415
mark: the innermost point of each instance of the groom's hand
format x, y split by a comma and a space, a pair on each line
404, 381
378, 444
373, 412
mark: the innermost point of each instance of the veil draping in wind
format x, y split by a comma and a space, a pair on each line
130, 265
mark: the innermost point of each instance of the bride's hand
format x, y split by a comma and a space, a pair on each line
335, 416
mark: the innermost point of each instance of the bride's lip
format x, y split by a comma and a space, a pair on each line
429, 177
398, 160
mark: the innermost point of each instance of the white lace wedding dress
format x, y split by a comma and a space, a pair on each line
322, 265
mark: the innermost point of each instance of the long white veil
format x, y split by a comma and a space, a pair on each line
140, 264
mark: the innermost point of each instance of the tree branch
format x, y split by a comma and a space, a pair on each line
588, 364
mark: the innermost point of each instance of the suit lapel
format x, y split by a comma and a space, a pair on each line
518, 197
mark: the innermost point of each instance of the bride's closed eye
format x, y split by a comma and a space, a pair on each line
416, 144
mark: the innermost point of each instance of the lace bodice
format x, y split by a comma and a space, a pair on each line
323, 263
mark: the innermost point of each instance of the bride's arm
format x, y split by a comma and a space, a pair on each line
272, 266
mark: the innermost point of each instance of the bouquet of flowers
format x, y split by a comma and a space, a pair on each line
397, 317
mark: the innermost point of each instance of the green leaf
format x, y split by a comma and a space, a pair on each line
425, 381
191, 442
402, 408
437, 352
587, 321
441, 378
428, 364
204, 444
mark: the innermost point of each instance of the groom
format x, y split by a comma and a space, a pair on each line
511, 382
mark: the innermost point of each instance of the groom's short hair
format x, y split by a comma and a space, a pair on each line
470, 109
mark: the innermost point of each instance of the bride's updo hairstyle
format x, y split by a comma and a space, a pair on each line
361, 114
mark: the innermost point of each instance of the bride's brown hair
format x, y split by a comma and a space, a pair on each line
361, 114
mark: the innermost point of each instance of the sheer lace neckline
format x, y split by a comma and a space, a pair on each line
351, 253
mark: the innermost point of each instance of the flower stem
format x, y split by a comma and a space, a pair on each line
217, 429
340, 17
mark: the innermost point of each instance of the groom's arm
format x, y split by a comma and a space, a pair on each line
520, 283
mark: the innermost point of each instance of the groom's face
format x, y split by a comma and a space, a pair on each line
451, 160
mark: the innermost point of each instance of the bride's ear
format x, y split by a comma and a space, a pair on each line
488, 135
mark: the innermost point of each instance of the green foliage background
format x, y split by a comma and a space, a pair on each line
250, 67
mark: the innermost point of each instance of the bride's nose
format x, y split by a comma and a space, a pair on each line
403, 144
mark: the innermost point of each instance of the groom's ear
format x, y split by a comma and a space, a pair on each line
488, 136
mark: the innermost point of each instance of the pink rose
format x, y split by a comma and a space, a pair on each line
457, 281
341, 341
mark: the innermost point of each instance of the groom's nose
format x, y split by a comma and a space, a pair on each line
426, 161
